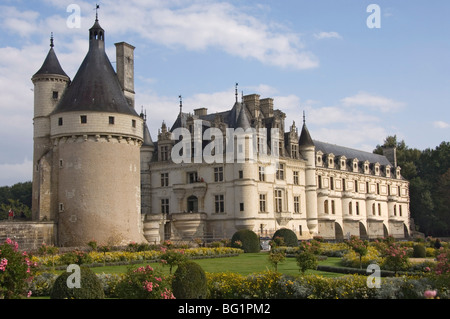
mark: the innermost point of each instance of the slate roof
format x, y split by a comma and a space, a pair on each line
51, 64
350, 153
95, 87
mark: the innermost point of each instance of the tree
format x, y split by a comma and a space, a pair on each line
428, 172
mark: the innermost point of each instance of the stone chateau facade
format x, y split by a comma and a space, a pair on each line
98, 174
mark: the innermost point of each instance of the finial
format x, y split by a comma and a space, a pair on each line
97, 6
51, 41
236, 91
304, 118
181, 103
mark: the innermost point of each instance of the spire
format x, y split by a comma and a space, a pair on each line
51, 64
181, 103
236, 91
305, 137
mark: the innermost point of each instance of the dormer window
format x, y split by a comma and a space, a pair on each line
330, 160
366, 167
355, 165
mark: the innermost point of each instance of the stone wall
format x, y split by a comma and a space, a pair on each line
29, 235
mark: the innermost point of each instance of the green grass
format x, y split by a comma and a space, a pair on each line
243, 264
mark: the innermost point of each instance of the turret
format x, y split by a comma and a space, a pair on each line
97, 138
50, 83
307, 150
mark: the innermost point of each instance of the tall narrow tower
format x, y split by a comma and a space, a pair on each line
307, 150
97, 139
49, 84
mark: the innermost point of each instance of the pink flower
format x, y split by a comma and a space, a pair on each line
430, 294
29, 294
148, 285
3, 264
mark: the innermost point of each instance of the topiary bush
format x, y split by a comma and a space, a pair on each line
189, 281
419, 251
246, 240
90, 286
289, 237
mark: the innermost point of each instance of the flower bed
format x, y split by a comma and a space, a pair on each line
98, 258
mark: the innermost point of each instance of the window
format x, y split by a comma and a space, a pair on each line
192, 177
133, 123
344, 184
296, 178
379, 209
294, 150
373, 209
241, 174
218, 174
164, 179
296, 204
319, 179
331, 183
60, 121
165, 206
350, 208
61, 163
164, 153
111, 120
400, 210
219, 203
241, 207
55, 95
333, 209
262, 176
357, 208
280, 171
61, 207
262, 203
325, 206
280, 149
356, 186
83, 119
278, 200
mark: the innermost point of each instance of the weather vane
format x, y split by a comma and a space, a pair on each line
97, 6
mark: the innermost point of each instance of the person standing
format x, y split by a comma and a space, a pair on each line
10, 214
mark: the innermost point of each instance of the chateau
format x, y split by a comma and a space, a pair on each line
98, 173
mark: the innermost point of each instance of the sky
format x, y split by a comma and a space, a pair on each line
360, 70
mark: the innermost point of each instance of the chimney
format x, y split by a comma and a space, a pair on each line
391, 154
125, 70
201, 112
252, 103
267, 107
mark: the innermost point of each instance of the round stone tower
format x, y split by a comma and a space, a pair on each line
96, 138
49, 84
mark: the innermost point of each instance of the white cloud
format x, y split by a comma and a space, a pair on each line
201, 25
372, 101
328, 35
441, 124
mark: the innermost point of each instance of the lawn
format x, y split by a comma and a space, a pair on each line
243, 264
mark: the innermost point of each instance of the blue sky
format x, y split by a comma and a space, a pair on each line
357, 84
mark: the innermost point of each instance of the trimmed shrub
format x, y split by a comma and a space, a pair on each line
189, 281
289, 237
246, 240
90, 286
419, 251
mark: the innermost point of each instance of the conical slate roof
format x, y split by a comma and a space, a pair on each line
95, 87
305, 138
51, 64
